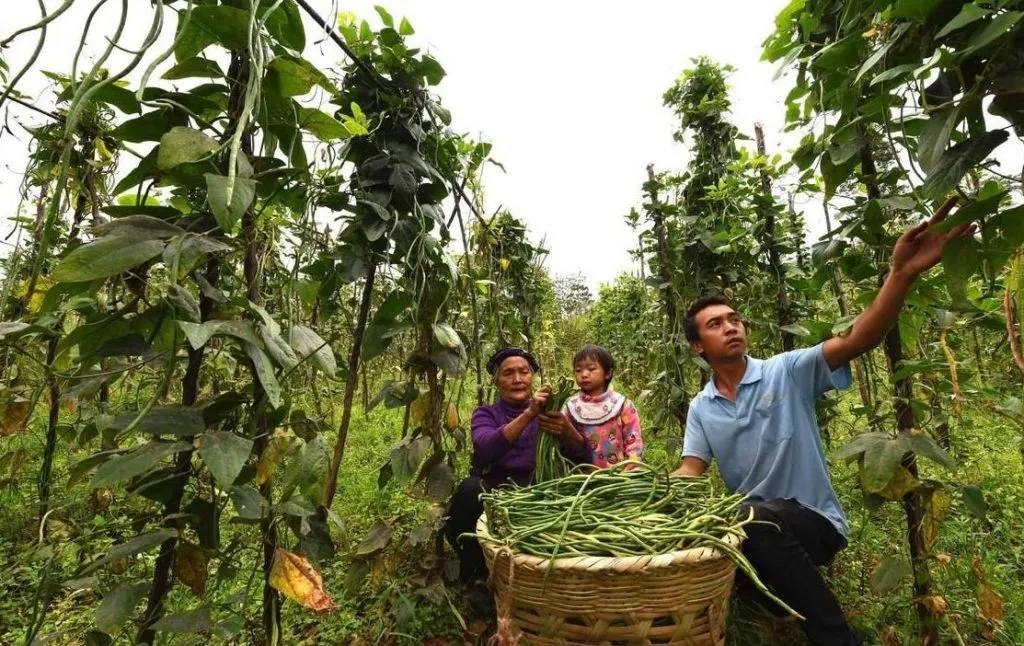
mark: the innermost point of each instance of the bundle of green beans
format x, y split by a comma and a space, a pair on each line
550, 463
621, 511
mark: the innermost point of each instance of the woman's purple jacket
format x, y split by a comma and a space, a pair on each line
501, 460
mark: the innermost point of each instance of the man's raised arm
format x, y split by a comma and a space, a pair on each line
917, 250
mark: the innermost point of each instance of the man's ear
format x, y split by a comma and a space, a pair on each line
697, 347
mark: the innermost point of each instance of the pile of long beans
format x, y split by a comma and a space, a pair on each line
550, 463
620, 513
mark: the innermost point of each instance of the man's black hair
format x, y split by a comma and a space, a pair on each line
690, 322
601, 356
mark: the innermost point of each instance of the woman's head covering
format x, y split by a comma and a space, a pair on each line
495, 361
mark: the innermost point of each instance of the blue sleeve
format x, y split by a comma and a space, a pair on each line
811, 374
695, 442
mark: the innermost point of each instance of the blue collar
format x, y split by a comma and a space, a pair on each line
752, 375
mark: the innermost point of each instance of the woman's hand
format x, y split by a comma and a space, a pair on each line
556, 424
538, 400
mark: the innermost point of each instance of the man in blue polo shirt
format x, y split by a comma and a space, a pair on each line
757, 418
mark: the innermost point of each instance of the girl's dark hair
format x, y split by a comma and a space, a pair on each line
601, 356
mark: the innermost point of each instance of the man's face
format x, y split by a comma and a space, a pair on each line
721, 333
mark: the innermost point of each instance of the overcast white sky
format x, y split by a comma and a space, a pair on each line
569, 92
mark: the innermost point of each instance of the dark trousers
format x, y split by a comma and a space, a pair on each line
464, 510
786, 556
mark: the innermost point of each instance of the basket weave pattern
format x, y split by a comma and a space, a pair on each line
678, 599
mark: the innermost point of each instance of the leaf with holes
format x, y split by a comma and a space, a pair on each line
190, 566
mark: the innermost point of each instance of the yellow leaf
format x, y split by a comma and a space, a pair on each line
935, 604
419, 408
452, 419
13, 415
294, 577
504, 262
938, 508
190, 563
944, 559
899, 485
277, 449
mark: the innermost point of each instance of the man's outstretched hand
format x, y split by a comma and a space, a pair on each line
919, 248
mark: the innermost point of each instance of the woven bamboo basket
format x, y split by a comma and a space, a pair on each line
678, 599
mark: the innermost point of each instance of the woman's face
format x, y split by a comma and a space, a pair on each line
515, 380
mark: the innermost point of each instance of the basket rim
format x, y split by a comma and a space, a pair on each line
692, 555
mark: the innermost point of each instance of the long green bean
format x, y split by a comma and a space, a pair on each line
627, 510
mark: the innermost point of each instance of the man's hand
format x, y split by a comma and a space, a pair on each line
916, 251
920, 249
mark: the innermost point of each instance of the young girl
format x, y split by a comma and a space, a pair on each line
607, 420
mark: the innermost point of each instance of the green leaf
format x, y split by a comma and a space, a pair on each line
893, 73
440, 483
199, 335
916, 9
995, 28
968, 14
164, 420
970, 213
249, 504
881, 52
137, 545
860, 444
956, 161
974, 500
295, 76
434, 73
146, 168
139, 227
118, 606
405, 28
796, 330
196, 67
306, 342
228, 214
121, 98
228, 26
224, 454
375, 540
403, 179
447, 336
137, 462
182, 145
935, 136
149, 127
321, 125
278, 348
191, 39
961, 257
285, 25
196, 620
265, 373
105, 257
880, 462
923, 445
385, 17
888, 574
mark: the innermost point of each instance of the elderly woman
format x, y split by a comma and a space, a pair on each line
504, 448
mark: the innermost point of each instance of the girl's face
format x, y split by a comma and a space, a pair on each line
590, 376
515, 380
